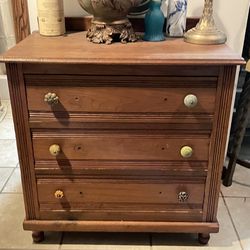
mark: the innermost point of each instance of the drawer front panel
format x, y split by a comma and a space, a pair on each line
121, 198
120, 99
117, 146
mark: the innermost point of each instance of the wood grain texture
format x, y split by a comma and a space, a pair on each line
202, 123
54, 73
125, 214
23, 138
219, 139
38, 49
119, 145
121, 99
121, 226
117, 193
21, 19
127, 169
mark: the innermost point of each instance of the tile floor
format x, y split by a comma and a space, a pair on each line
233, 215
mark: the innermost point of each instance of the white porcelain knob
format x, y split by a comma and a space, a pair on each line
191, 101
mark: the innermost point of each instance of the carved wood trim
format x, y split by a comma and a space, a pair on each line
23, 138
219, 138
21, 19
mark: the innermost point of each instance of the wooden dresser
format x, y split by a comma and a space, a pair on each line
127, 138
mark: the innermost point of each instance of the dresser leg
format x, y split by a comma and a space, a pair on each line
203, 238
38, 236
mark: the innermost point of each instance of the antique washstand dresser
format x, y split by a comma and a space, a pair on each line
127, 138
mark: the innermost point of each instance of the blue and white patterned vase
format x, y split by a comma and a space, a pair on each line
176, 18
154, 22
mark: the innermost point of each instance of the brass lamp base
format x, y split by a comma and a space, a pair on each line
208, 36
206, 31
102, 32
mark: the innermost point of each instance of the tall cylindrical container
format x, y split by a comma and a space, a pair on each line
176, 18
51, 19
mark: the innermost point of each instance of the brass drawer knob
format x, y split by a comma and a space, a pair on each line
59, 194
186, 152
54, 150
51, 98
191, 101
183, 196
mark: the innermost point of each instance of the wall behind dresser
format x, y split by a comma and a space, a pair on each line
231, 16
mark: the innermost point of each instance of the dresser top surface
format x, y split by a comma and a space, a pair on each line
74, 48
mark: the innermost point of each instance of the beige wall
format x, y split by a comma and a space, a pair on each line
230, 15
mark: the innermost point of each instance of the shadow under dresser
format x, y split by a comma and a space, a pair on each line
127, 138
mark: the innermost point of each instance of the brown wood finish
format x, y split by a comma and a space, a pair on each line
121, 99
102, 193
122, 226
219, 139
118, 199
39, 49
23, 138
120, 164
126, 214
119, 145
127, 169
21, 19
37, 236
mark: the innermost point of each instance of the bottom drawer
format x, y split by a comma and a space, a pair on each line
119, 199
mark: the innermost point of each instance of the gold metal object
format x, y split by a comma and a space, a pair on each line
54, 150
101, 32
186, 152
191, 101
206, 32
59, 194
110, 22
183, 196
248, 66
51, 98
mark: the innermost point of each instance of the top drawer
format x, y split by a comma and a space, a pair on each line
112, 99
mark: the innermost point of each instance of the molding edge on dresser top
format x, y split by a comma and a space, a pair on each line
73, 48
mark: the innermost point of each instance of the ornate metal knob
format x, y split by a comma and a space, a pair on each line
59, 194
190, 101
186, 152
183, 196
54, 150
51, 98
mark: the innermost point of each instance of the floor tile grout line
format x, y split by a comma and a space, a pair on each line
231, 218
7, 168
235, 197
12, 193
7, 181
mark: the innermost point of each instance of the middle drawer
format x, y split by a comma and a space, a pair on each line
119, 145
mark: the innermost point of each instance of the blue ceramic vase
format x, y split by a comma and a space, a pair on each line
154, 22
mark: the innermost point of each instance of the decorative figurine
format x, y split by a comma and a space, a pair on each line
206, 31
154, 22
110, 22
176, 18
